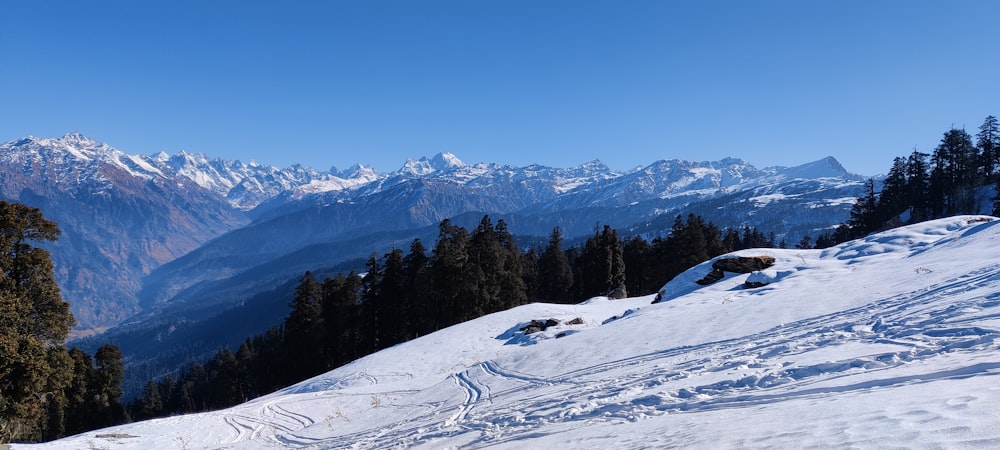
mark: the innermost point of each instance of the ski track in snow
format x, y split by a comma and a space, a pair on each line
588, 394
939, 323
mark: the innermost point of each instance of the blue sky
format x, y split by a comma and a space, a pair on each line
559, 83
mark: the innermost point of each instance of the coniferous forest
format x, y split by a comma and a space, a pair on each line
959, 177
48, 391
404, 295
470, 274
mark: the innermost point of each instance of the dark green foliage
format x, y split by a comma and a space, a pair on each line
865, 216
45, 390
341, 312
400, 297
555, 276
918, 186
894, 199
449, 278
955, 181
988, 143
304, 329
639, 275
602, 267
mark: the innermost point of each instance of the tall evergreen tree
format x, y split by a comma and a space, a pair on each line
988, 143
955, 175
690, 246
513, 290
341, 314
371, 318
894, 199
636, 255
34, 322
864, 214
917, 182
304, 329
555, 277
416, 264
448, 273
603, 269
108, 377
392, 304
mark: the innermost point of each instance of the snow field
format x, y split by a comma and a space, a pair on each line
888, 341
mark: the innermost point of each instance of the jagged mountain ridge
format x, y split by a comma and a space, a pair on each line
120, 218
200, 199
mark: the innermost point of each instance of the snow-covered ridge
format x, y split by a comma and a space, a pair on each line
247, 185
887, 341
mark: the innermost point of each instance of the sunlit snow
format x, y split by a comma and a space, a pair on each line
888, 341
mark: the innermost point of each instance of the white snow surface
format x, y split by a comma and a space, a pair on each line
888, 341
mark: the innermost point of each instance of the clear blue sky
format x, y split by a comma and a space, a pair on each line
558, 83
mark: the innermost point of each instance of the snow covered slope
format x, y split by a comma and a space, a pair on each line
886, 341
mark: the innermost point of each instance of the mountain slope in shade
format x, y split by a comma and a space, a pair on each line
886, 341
120, 217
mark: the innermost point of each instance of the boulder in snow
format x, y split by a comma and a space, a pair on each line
743, 264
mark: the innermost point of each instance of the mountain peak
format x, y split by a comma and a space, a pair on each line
445, 161
827, 167
355, 171
75, 136
441, 162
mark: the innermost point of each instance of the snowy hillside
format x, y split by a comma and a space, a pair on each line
886, 341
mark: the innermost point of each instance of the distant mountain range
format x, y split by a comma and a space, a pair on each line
157, 243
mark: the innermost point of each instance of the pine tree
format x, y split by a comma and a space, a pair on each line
448, 273
690, 245
108, 377
955, 175
341, 313
917, 183
513, 290
304, 329
34, 322
636, 254
864, 214
152, 403
988, 143
603, 269
416, 264
555, 277
894, 200
391, 305
79, 392
370, 319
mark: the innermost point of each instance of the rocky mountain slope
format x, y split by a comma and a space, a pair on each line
158, 242
120, 216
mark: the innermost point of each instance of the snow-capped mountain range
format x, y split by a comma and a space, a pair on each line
884, 342
157, 246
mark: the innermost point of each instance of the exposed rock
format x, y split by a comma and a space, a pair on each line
576, 321
618, 293
739, 264
761, 278
712, 277
536, 326
743, 264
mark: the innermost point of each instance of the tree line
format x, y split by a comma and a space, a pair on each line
401, 296
958, 177
46, 390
